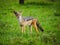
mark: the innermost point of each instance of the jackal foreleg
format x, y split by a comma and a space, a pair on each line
23, 29
30, 26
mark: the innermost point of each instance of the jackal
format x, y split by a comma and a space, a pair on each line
24, 21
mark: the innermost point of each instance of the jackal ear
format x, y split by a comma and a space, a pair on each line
20, 12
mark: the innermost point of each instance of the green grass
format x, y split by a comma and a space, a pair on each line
10, 33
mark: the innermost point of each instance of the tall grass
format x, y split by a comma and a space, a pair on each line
10, 32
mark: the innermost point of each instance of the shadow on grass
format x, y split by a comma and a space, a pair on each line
57, 14
36, 3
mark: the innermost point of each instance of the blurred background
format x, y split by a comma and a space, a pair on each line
46, 11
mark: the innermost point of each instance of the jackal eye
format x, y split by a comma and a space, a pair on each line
17, 14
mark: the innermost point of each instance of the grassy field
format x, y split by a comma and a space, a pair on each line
48, 15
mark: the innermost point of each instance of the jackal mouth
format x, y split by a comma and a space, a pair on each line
15, 13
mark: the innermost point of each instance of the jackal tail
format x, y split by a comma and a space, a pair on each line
39, 26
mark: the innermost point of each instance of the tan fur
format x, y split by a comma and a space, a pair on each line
24, 23
34, 24
30, 22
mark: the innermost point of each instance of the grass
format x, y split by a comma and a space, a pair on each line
10, 33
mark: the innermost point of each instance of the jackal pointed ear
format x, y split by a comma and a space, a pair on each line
20, 12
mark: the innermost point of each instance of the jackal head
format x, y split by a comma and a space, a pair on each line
17, 13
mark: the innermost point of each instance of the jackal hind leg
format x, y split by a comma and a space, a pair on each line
36, 27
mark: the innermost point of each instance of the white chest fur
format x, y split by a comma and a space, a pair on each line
20, 19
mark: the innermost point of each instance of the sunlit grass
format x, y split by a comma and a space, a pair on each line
10, 32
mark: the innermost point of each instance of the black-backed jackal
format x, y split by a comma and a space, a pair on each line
27, 21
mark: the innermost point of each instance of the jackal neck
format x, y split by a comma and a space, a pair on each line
20, 18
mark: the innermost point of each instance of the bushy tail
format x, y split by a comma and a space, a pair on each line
39, 26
